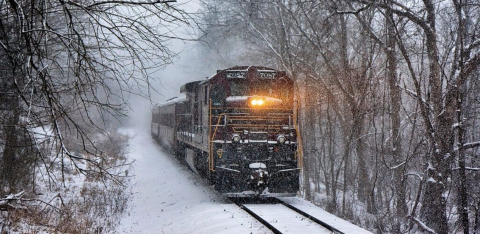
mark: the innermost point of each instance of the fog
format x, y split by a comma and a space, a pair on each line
195, 60
185, 67
167, 84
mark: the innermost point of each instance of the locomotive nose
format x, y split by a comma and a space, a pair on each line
259, 176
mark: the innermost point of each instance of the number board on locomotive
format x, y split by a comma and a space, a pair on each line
236, 128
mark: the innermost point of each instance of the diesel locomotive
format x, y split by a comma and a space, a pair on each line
236, 128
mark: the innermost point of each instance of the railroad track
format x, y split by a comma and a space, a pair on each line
281, 217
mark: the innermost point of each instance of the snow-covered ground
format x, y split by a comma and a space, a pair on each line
332, 220
169, 198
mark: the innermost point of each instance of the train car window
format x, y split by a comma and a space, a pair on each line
205, 101
218, 96
195, 113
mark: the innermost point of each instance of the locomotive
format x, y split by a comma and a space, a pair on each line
238, 129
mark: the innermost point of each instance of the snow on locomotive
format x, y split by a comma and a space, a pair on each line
236, 128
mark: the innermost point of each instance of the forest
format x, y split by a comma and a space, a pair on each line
387, 95
68, 69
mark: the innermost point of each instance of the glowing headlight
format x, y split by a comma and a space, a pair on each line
281, 139
257, 102
236, 138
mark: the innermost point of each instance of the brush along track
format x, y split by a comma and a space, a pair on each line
281, 217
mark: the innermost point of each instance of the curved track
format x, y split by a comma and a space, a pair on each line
281, 217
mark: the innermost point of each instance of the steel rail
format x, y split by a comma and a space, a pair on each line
320, 222
257, 217
295, 209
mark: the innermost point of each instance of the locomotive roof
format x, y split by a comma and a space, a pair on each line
188, 87
181, 98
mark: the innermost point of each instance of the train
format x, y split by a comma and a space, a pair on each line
238, 129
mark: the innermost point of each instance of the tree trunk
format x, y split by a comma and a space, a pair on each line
332, 206
396, 102
364, 185
462, 39
9, 166
462, 189
434, 202
307, 142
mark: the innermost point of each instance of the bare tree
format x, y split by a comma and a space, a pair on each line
397, 81
69, 58
438, 97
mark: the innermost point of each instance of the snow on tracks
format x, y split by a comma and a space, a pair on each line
318, 213
285, 220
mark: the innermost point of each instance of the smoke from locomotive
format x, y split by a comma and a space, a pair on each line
237, 129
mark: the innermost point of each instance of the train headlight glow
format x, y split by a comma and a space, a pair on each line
257, 102
281, 139
236, 138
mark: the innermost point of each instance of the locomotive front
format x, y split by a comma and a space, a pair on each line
253, 138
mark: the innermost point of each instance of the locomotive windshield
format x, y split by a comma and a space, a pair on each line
263, 88
238, 88
270, 88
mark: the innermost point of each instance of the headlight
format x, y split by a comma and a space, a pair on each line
257, 101
236, 138
281, 139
